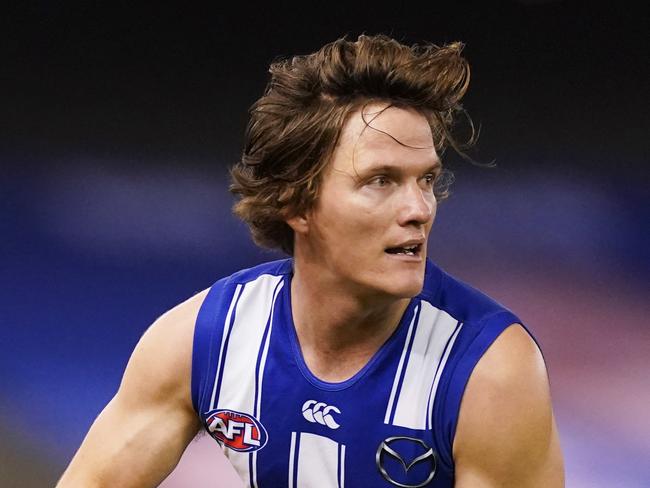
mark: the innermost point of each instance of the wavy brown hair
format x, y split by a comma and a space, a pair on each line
295, 126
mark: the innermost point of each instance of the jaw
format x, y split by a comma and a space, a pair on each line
399, 276
371, 276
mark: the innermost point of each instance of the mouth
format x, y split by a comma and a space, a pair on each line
407, 250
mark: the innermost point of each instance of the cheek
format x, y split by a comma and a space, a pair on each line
343, 222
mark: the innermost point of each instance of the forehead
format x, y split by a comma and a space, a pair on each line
378, 132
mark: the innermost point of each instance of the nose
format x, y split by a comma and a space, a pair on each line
418, 205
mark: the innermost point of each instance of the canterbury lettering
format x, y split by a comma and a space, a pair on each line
320, 413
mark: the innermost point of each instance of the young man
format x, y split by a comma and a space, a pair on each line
358, 362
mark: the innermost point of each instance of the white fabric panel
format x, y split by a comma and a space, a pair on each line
237, 390
436, 380
318, 462
342, 465
238, 383
398, 373
434, 329
226, 328
239, 461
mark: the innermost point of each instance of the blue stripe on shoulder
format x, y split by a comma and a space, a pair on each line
206, 331
276, 268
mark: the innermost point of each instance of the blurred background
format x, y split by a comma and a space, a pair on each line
117, 128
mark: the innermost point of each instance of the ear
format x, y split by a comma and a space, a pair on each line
299, 223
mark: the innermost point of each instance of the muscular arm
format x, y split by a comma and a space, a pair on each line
142, 433
506, 434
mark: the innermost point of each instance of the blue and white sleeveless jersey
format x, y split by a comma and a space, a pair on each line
391, 424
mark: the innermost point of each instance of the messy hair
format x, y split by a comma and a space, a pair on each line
295, 126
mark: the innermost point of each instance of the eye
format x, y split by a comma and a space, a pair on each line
380, 181
429, 179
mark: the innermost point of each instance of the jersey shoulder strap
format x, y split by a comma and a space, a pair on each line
217, 312
480, 321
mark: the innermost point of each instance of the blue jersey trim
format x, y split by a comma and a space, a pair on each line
204, 333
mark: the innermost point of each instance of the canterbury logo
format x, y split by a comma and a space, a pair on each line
320, 413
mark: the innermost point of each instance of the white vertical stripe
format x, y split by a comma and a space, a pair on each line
238, 379
434, 329
260, 376
226, 328
434, 387
318, 462
292, 459
237, 391
398, 373
239, 461
342, 467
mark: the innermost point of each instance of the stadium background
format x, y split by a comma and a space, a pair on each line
118, 126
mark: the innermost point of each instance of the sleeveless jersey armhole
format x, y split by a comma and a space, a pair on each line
471, 345
207, 333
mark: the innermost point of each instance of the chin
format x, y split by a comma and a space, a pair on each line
403, 288
408, 291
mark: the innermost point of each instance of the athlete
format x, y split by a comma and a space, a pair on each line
357, 361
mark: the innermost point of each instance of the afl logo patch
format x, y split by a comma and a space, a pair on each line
238, 431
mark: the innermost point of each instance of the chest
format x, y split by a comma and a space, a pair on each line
281, 426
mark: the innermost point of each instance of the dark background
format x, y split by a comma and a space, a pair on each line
119, 121
564, 78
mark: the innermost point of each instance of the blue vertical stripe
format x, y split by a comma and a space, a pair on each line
296, 458
341, 468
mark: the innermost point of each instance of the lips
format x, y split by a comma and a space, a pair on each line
410, 247
409, 250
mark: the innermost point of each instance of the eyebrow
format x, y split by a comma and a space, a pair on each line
390, 167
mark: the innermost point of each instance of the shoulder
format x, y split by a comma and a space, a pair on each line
176, 325
161, 361
506, 432
274, 268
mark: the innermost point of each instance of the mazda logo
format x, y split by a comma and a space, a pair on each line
385, 449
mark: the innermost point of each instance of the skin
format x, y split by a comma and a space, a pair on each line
376, 194
506, 434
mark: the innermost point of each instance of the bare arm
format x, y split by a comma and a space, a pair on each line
506, 435
139, 437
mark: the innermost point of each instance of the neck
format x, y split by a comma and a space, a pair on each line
339, 328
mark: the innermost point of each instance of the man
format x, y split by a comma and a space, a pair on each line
358, 362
